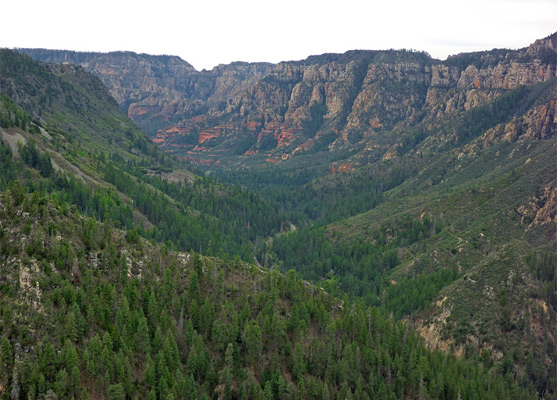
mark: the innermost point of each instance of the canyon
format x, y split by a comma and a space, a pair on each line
273, 112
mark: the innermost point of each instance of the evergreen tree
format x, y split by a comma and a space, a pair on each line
6, 363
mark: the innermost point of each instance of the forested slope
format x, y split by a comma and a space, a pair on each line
88, 311
100, 161
469, 235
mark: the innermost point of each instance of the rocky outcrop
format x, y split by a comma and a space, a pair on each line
539, 122
333, 101
506, 76
540, 210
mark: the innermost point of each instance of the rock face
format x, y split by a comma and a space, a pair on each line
326, 102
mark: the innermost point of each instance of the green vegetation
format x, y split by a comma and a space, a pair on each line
119, 171
360, 268
543, 266
228, 219
11, 114
453, 233
316, 113
35, 159
92, 312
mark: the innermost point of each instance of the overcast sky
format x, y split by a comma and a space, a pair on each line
211, 32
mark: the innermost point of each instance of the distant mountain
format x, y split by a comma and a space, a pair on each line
272, 112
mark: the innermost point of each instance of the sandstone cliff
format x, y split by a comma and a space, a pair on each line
326, 102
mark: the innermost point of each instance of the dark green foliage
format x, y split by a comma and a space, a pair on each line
243, 143
116, 392
12, 115
410, 295
228, 217
302, 200
359, 268
267, 142
158, 336
316, 113
6, 362
480, 59
132, 236
36, 159
543, 265
8, 167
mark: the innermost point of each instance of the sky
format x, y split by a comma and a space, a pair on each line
210, 32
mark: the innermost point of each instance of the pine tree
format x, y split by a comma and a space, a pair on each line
6, 364
48, 361
252, 342
142, 336
116, 392
226, 374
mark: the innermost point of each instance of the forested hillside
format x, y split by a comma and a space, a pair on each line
89, 311
90, 154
